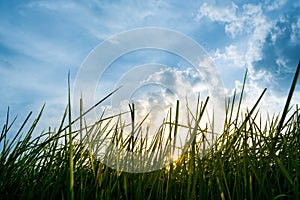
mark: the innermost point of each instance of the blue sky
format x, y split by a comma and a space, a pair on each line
40, 41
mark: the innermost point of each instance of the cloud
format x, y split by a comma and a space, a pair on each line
263, 45
263, 38
247, 21
217, 13
275, 5
172, 79
295, 33
279, 52
224, 14
158, 89
231, 54
237, 20
248, 27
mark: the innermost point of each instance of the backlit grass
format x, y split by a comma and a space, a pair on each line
252, 159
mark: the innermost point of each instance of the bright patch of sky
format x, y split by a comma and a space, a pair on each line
40, 41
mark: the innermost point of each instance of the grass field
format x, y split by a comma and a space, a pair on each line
252, 159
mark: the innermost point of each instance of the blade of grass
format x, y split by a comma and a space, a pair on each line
71, 164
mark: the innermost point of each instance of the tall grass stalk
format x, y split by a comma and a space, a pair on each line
71, 161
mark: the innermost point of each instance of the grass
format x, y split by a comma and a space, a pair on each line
252, 159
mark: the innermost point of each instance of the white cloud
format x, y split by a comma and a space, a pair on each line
225, 15
216, 13
247, 21
231, 54
275, 4
283, 66
252, 26
238, 20
277, 31
295, 35
172, 79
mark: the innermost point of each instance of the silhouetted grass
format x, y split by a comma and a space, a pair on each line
252, 159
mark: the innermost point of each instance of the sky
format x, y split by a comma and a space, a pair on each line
41, 41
